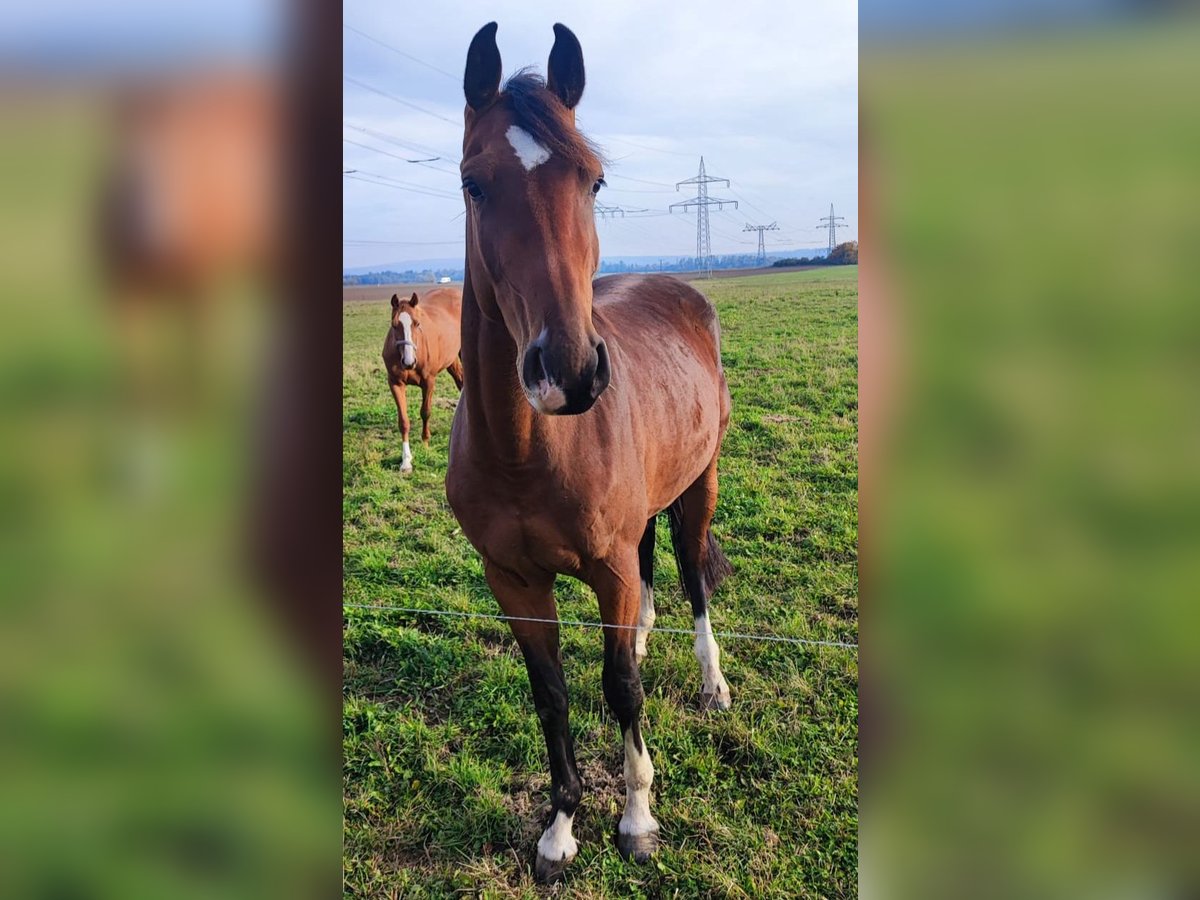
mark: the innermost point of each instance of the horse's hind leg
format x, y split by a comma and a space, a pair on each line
427, 387
456, 372
702, 566
646, 614
543, 662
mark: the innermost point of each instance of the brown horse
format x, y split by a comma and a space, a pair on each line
588, 408
192, 192
422, 341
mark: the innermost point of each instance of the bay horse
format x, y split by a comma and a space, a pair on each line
422, 341
588, 407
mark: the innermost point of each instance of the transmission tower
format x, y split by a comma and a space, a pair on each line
702, 202
762, 247
833, 223
605, 211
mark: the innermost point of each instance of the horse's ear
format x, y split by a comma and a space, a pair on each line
413, 301
395, 301
481, 81
566, 67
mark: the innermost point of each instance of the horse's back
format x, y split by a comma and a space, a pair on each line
656, 308
443, 306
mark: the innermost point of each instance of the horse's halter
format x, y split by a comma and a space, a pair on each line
402, 343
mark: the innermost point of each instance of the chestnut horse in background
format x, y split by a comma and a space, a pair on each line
422, 341
189, 208
588, 408
192, 190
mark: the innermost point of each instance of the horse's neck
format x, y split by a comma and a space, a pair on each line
500, 419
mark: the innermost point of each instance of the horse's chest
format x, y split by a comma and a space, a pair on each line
401, 375
546, 525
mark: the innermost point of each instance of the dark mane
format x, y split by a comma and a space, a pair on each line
540, 113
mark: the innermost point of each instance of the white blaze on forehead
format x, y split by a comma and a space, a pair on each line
409, 353
529, 152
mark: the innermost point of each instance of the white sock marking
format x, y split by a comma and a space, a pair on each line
406, 459
639, 773
529, 152
646, 617
557, 842
708, 654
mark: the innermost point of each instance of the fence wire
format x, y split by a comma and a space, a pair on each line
737, 635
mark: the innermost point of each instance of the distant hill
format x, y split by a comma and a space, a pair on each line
428, 271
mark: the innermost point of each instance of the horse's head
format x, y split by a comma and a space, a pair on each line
529, 182
406, 323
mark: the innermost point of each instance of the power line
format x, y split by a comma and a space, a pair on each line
644, 147
639, 180
357, 241
353, 174
390, 96
701, 202
401, 52
393, 156
396, 180
406, 144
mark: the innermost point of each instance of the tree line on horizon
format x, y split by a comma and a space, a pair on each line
845, 254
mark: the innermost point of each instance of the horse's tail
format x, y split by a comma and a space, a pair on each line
713, 569
716, 565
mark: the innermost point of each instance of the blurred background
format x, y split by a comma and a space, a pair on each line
1030, 333
1030, 365
160, 728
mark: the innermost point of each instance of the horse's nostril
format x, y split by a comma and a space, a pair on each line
533, 368
603, 373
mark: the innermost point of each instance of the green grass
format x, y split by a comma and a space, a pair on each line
444, 766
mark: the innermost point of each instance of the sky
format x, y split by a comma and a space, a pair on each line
767, 92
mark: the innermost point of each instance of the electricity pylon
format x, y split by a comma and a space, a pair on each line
702, 202
762, 247
833, 224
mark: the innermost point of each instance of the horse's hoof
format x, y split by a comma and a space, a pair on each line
638, 847
718, 699
406, 469
548, 871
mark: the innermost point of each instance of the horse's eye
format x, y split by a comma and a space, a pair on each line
473, 189
600, 182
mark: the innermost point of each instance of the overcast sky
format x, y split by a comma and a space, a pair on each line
767, 92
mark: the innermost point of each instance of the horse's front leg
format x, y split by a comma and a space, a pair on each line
402, 411
617, 587
543, 662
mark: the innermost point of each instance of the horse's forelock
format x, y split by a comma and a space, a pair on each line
540, 112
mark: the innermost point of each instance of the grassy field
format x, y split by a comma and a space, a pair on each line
444, 765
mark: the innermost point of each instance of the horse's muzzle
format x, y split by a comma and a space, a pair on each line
556, 387
408, 354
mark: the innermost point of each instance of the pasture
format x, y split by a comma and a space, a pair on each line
445, 782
